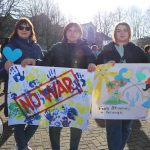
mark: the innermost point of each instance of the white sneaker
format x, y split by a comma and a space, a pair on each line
28, 148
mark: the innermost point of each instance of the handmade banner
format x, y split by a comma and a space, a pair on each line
49, 96
121, 91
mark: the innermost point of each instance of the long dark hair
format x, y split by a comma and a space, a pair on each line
22, 21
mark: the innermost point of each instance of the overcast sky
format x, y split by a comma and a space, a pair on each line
84, 10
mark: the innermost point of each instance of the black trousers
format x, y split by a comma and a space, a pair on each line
75, 136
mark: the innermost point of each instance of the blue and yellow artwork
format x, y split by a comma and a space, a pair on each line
49, 96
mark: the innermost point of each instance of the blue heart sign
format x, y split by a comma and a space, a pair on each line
12, 55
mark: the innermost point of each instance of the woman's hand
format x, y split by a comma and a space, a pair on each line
8, 64
28, 61
91, 67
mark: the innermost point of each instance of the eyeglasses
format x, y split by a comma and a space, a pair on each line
24, 28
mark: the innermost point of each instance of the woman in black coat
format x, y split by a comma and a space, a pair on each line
72, 52
24, 39
121, 50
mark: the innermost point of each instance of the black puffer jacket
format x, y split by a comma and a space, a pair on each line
70, 55
132, 54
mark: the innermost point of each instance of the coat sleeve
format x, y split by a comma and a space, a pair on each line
100, 58
47, 60
90, 56
142, 55
39, 53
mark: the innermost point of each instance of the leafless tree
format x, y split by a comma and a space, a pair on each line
8, 8
135, 18
120, 14
146, 23
104, 22
46, 17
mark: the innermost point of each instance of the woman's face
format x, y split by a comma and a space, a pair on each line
122, 34
24, 31
73, 34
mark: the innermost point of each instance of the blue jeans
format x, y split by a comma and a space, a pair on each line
118, 132
23, 134
75, 136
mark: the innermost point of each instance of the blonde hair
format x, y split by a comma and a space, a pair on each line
123, 24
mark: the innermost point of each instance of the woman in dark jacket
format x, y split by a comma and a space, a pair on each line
72, 52
131, 54
120, 51
22, 39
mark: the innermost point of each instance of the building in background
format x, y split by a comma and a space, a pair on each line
92, 36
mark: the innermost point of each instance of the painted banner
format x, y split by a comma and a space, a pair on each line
121, 91
49, 96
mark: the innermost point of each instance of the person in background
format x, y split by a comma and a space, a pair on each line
71, 52
23, 38
95, 50
147, 52
121, 50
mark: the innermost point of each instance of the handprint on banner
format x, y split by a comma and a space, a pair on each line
51, 73
17, 76
33, 83
81, 78
48, 116
13, 95
48, 92
65, 122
